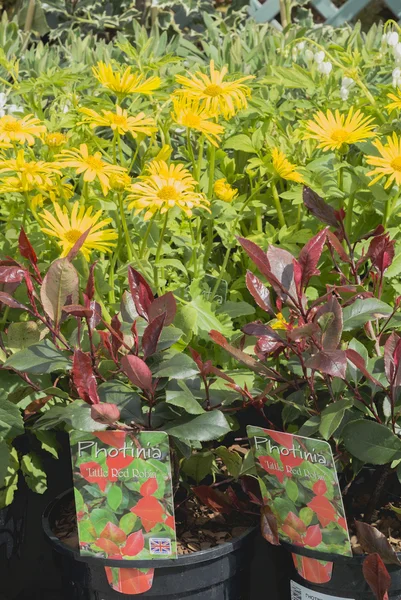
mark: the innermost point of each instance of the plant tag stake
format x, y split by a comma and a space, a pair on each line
298, 481
124, 495
299, 592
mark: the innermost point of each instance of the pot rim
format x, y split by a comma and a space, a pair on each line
328, 556
187, 559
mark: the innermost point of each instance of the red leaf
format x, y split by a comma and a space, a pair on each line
90, 286
112, 438
282, 438
76, 310
113, 533
310, 256
259, 292
109, 547
376, 575
149, 487
246, 359
312, 569
141, 293
135, 544
374, 541
269, 526
282, 267
170, 521
105, 412
360, 364
163, 304
392, 358
11, 274
150, 511
319, 488
151, 335
331, 362
9, 301
295, 522
313, 536
117, 337
118, 463
90, 471
213, 498
78, 245
294, 535
271, 466
84, 378
137, 371
257, 255
332, 240
325, 511
381, 252
131, 581
331, 336
26, 249
318, 207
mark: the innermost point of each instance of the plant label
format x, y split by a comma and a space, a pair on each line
124, 495
299, 592
298, 481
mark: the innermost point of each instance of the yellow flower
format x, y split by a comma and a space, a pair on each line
165, 188
396, 105
119, 181
126, 82
55, 139
189, 113
389, 164
91, 165
217, 95
20, 130
284, 168
120, 121
334, 129
67, 229
279, 322
31, 174
224, 191
37, 201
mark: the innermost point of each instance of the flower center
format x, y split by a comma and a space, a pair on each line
396, 163
167, 192
72, 235
120, 120
340, 135
12, 126
94, 163
213, 90
191, 120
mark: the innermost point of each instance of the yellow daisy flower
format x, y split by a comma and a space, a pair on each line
91, 165
284, 168
389, 164
31, 174
332, 130
224, 191
217, 95
120, 121
119, 181
55, 139
20, 130
188, 112
67, 229
165, 188
126, 82
396, 104
279, 322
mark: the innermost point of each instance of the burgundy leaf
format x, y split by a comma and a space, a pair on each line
310, 255
332, 240
266, 345
78, 245
303, 332
331, 337
9, 301
220, 374
137, 371
141, 293
213, 498
76, 310
117, 338
84, 378
151, 335
96, 312
330, 362
257, 255
392, 358
376, 575
360, 364
282, 267
105, 412
11, 274
372, 540
381, 252
259, 329
318, 207
259, 292
26, 249
165, 304
377, 231
269, 526
60, 283
90, 285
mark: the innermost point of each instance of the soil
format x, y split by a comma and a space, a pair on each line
198, 527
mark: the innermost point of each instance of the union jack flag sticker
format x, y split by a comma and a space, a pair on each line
160, 546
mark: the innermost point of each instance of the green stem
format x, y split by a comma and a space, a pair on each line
159, 250
388, 209
194, 260
349, 215
209, 235
277, 204
197, 173
26, 207
130, 247
145, 237
190, 149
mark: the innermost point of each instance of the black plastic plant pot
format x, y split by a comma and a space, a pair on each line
345, 578
220, 573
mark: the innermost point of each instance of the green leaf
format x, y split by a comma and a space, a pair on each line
79, 500
364, 310
184, 399
11, 423
77, 414
114, 497
22, 335
306, 515
199, 465
127, 522
310, 426
360, 348
291, 490
39, 359
371, 442
5, 461
232, 460
240, 142
209, 426
236, 309
206, 320
294, 77
179, 366
331, 418
34, 474
100, 517
48, 441
124, 397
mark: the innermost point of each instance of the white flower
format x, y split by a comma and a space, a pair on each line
344, 93
392, 38
347, 82
325, 67
396, 77
397, 52
319, 57
308, 55
7, 109
300, 46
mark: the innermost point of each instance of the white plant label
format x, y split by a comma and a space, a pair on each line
299, 592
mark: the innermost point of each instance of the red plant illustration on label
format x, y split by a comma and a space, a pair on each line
150, 511
116, 544
130, 581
